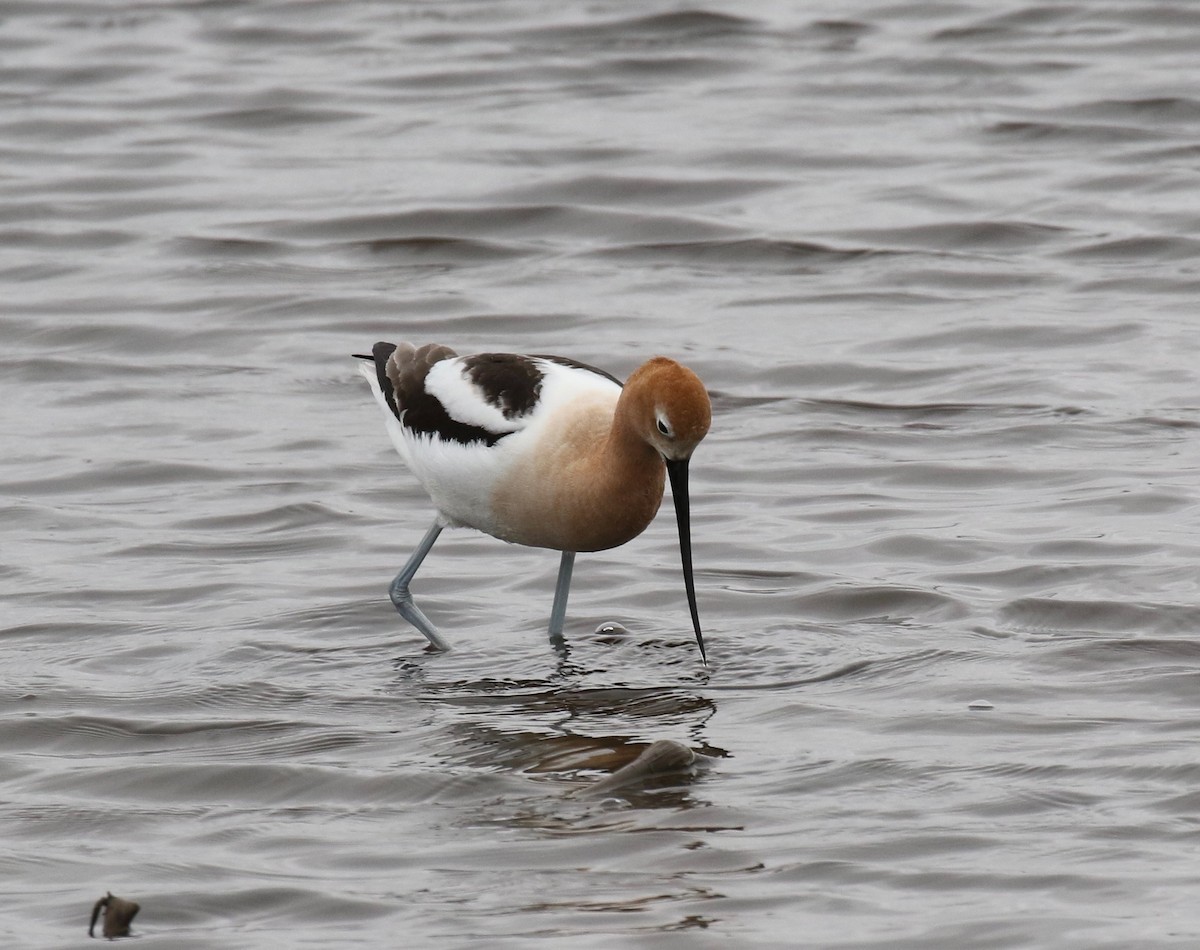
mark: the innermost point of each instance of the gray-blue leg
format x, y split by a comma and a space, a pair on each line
403, 599
558, 613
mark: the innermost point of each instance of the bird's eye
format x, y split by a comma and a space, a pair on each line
663, 427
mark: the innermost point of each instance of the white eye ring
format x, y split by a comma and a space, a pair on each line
663, 427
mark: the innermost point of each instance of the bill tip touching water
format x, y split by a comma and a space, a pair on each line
542, 451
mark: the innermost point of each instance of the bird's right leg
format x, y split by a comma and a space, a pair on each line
403, 599
558, 612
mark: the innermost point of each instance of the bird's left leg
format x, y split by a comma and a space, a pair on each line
403, 599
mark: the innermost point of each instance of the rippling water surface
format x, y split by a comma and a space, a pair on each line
937, 263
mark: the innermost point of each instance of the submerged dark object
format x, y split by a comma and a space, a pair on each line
663, 757
118, 915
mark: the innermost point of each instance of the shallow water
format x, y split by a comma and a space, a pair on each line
937, 264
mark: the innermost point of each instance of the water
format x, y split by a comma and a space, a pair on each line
937, 264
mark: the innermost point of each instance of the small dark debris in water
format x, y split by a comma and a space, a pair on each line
659, 758
980, 704
118, 915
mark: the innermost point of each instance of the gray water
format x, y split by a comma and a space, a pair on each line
937, 263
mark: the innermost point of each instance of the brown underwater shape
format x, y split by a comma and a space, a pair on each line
659, 758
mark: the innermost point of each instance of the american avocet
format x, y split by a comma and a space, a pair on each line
541, 451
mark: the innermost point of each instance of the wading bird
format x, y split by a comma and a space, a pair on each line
541, 451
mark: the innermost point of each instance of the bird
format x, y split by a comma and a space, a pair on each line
542, 451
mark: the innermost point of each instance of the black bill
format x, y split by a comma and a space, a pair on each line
677, 472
